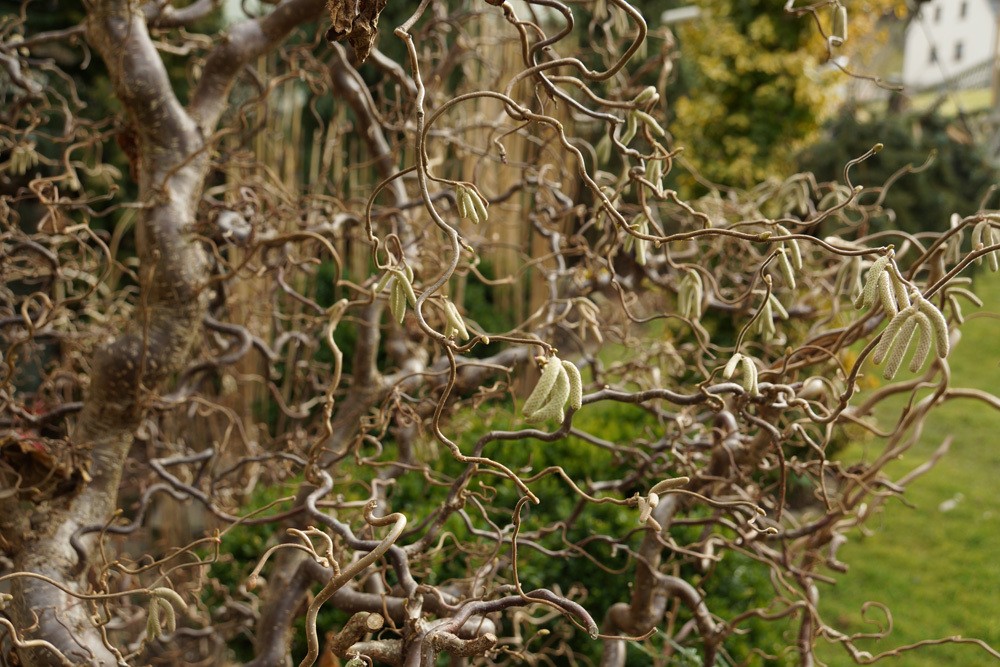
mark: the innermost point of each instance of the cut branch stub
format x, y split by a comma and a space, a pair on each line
357, 21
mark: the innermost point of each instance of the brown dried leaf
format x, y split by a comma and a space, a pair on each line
342, 13
357, 21
46, 467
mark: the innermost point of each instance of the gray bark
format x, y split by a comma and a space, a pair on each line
130, 367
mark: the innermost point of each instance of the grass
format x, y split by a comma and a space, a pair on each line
937, 569
964, 101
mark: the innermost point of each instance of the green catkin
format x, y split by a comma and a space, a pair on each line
640, 252
886, 295
470, 207
867, 296
650, 122
697, 296
645, 507
165, 599
796, 254
668, 484
750, 376
786, 268
924, 338
977, 237
407, 286
455, 322
900, 289
461, 202
640, 224
169, 615
630, 128
553, 407
898, 349
794, 250
939, 325
956, 309
383, 282
967, 294
777, 307
575, 385
397, 302
153, 629
838, 35
983, 235
802, 200
654, 174
541, 392
691, 294
549, 411
964, 292
765, 321
479, 205
890, 332
169, 594
730, 368
646, 95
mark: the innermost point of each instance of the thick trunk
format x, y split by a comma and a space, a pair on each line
128, 368
126, 373
132, 365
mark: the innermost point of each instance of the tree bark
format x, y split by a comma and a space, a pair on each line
128, 369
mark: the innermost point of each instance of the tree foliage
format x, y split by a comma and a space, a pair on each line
751, 90
753, 85
942, 171
387, 362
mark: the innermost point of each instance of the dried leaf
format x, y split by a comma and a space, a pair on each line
357, 21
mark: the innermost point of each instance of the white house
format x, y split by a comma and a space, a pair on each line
952, 41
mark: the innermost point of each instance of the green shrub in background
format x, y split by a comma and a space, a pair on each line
955, 180
731, 586
748, 93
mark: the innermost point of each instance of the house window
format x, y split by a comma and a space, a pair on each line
933, 56
937, 14
958, 51
963, 9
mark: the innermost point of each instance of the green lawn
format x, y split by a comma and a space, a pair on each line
964, 101
938, 571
